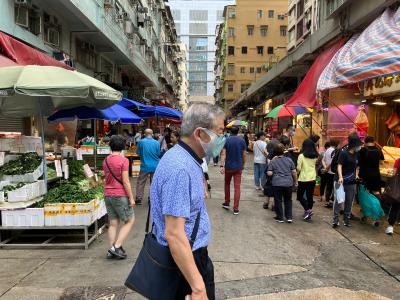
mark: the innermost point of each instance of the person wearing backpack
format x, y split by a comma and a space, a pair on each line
329, 162
347, 175
395, 208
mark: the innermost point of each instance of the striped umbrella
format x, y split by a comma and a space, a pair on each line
375, 52
236, 123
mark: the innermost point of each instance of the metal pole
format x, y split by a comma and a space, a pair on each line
95, 145
43, 146
305, 132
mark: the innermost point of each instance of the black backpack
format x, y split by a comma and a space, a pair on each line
335, 160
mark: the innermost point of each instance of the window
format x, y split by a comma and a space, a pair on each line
231, 31
283, 30
270, 50
220, 15
198, 15
232, 14
251, 69
230, 87
260, 50
198, 66
259, 14
242, 70
198, 56
176, 14
281, 17
250, 29
198, 43
197, 76
231, 69
244, 87
198, 88
178, 28
28, 18
244, 50
198, 28
270, 14
264, 30
292, 34
258, 70
231, 50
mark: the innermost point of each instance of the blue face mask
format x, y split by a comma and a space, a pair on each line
216, 144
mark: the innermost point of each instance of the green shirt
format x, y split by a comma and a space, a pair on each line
307, 169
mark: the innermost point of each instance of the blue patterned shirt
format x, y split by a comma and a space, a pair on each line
178, 190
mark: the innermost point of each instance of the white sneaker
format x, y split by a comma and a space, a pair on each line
389, 230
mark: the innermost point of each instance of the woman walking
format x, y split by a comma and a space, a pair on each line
394, 212
118, 197
284, 177
260, 161
306, 166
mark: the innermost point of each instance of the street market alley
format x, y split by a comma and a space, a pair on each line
253, 256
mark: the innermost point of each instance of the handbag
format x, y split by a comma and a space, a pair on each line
112, 173
391, 193
155, 274
268, 190
350, 179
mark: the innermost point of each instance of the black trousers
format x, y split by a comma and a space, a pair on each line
329, 187
206, 269
308, 188
323, 183
283, 194
394, 213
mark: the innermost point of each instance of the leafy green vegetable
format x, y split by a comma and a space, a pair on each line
26, 163
76, 172
9, 188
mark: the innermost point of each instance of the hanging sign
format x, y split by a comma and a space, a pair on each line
382, 85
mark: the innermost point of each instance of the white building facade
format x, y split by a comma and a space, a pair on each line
196, 22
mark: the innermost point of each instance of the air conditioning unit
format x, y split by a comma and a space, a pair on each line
143, 10
109, 3
53, 37
128, 27
119, 17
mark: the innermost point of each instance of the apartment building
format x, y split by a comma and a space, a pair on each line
195, 24
251, 40
130, 45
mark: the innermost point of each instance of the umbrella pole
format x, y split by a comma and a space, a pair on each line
95, 145
305, 132
43, 147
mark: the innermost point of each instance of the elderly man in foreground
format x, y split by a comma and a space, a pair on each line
178, 199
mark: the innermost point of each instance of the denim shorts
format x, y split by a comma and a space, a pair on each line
119, 208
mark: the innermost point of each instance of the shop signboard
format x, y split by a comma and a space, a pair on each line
382, 85
264, 108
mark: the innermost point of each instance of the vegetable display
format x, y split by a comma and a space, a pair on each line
26, 163
9, 188
76, 172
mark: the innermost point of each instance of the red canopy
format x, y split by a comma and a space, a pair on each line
305, 95
23, 54
5, 62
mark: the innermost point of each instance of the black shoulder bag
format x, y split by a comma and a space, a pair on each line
155, 274
112, 173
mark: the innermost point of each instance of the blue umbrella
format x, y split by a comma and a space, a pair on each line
81, 113
132, 104
122, 114
160, 111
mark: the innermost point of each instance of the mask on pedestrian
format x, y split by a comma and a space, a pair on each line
214, 147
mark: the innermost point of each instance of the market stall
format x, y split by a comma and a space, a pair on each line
74, 202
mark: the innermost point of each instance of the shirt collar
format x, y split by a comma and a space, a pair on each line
191, 152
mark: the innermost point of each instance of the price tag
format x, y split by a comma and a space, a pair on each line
64, 164
66, 172
88, 171
57, 164
2, 156
79, 154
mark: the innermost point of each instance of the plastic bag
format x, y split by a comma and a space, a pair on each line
370, 205
340, 194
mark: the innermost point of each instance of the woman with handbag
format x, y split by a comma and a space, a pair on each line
395, 207
347, 175
260, 161
119, 198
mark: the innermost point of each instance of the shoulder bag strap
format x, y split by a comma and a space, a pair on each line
195, 230
148, 220
112, 173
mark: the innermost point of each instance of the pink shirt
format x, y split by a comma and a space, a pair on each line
117, 164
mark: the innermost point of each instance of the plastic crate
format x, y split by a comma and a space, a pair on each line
28, 217
70, 214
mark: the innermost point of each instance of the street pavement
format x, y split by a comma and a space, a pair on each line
254, 257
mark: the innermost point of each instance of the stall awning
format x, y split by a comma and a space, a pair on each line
160, 111
375, 52
305, 95
6, 62
23, 54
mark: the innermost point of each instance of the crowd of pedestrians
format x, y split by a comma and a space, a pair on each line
176, 164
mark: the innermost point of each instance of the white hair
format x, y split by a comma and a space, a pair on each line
200, 114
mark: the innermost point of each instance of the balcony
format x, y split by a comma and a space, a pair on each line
335, 7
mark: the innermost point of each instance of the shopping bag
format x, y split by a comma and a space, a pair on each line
340, 194
268, 191
370, 205
392, 190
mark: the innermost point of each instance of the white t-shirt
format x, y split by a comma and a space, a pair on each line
258, 149
328, 157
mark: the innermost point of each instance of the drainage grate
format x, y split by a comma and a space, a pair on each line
94, 293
